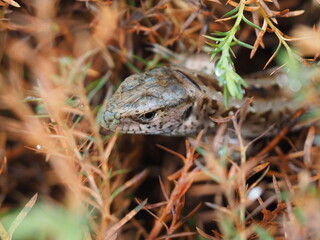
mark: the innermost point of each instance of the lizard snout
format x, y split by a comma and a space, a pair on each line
110, 120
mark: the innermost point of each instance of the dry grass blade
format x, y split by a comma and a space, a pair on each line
259, 39
241, 113
273, 56
152, 206
129, 183
3, 233
276, 4
163, 189
224, 19
260, 136
221, 120
175, 201
109, 147
220, 208
188, 21
4, 162
22, 215
177, 235
193, 212
263, 205
267, 11
205, 235
277, 189
287, 13
12, 3
175, 175
308, 146
257, 169
183, 158
111, 233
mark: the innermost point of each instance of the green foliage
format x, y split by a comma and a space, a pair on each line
262, 233
46, 221
224, 69
224, 41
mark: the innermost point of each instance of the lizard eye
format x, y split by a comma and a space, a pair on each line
148, 116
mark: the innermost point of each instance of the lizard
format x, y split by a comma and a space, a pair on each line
175, 101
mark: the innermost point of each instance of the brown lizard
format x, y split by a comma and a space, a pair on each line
175, 101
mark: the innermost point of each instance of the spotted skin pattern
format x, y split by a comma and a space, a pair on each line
175, 101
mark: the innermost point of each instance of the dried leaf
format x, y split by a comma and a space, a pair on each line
257, 169
12, 3
259, 39
287, 13
308, 145
273, 55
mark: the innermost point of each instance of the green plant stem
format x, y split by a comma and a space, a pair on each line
225, 59
225, 52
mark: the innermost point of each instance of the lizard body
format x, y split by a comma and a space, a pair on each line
175, 101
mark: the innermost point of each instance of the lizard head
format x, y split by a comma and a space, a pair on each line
161, 101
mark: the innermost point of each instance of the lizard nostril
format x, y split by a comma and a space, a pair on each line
108, 117
111, 120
